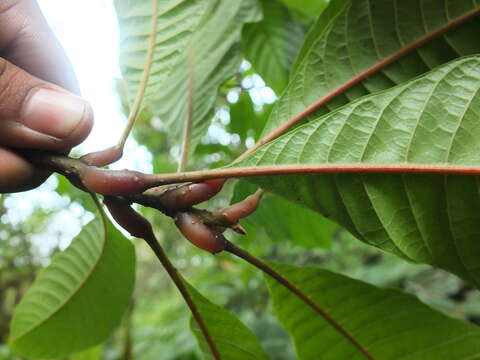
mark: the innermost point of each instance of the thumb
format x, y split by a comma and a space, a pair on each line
37, 114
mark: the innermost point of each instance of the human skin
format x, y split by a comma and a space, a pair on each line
40, 106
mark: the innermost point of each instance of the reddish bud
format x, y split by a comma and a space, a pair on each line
185, 196
199, 234
242, 209
128, 218
113, 182
103, 157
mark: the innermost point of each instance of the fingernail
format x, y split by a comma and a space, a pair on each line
54, 113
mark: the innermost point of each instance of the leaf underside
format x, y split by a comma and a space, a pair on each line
197, 50
391, 325
62, 312
422, 218
351, 36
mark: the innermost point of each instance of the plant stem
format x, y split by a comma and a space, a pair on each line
174, 275
259, 264
145, 75
187, 130
265, 170
282, 128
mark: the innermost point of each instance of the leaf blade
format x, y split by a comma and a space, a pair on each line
360, 47
422, 218
233, 339
366, 311
62, 312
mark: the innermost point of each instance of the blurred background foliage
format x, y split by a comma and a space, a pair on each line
155, 325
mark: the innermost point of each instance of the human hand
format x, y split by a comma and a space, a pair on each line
38, 108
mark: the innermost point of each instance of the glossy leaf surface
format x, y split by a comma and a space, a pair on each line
391, 325
79, 299
233, 339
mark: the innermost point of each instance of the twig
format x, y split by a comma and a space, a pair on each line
172, 272
114, 153
259, 264
138, 226
73, 169
145, 75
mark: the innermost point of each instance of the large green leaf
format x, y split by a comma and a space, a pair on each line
272, 44
391, 325
177, 20
423, 218
78, 300
233, 339
352, 36
202, 61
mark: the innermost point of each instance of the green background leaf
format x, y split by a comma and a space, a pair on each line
391, 325
177, 21
311, 8
79, 298
233, 339
271, 45
197, 50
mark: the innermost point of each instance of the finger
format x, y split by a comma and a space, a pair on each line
37, 114
27, 41
16, 174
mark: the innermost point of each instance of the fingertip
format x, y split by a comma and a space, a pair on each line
82, 130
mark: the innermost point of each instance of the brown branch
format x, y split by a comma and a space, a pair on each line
176, 278
360, 168
73, 169
139, 226
357, 79
259, 264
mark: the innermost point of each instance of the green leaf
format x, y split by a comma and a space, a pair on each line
353, 36
177, 21
197, 51
272, 44
94, 353
311, 8
245, 120
388, 323
78, 300
423, 218
232, 338
298, 225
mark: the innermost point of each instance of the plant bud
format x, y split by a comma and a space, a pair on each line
113, 182
198, 233
128, 218
184, 197
242, 209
